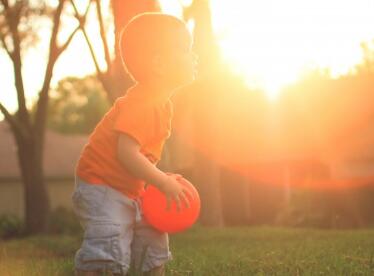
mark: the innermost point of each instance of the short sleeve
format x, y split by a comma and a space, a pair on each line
135, 121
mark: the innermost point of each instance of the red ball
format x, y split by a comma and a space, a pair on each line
154, 205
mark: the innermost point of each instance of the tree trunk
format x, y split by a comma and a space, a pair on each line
204, 42
35, 192
236, 204
208, 181
207, 173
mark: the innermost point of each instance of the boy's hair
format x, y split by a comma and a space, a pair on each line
147, 35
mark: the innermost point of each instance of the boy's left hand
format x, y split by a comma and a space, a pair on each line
184, 195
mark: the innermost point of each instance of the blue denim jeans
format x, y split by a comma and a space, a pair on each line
115, 232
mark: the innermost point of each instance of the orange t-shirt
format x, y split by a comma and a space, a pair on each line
143, 115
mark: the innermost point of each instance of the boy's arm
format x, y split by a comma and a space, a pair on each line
139, 166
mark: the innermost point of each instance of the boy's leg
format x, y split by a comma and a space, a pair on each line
150, 248
107, 219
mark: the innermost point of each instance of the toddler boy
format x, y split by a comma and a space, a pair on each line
123, 150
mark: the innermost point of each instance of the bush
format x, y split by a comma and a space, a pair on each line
63, 221
10, 226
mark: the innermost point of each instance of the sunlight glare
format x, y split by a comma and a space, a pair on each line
272, 43
171, 7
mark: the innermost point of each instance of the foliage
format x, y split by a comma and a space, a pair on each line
367, 65
31, 16
63, 221
77, 105
10, 226
60, 221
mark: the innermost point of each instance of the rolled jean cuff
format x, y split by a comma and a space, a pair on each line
152, 262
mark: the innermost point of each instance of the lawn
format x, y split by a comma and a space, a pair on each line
226, 251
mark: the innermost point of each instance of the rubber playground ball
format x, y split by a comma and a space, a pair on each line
154, 205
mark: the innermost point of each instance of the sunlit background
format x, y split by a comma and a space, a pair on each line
273, 43
280, 122
270, 43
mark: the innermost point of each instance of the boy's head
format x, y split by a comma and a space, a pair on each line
156, 47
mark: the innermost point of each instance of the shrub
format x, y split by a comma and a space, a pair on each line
63, 221
10, 226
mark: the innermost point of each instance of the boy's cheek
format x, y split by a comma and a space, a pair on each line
189, 72
185, 71
183, 77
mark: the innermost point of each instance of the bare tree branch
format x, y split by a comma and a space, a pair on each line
9, 117
2, 40
13, 17
81, 25
40, 117
92, 51
103, 35
55, 52
5, 4
66, 44
14, 124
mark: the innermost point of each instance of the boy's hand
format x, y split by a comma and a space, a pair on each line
174, 190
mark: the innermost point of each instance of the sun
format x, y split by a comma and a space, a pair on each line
273, 43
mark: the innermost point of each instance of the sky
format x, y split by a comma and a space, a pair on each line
271, 43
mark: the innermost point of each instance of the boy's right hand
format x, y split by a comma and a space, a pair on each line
174, 190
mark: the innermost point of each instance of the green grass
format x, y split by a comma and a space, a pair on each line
209, 251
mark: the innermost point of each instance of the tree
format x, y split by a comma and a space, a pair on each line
367, 65
16, 33
77, 105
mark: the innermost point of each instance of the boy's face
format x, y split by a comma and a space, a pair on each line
178, 67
